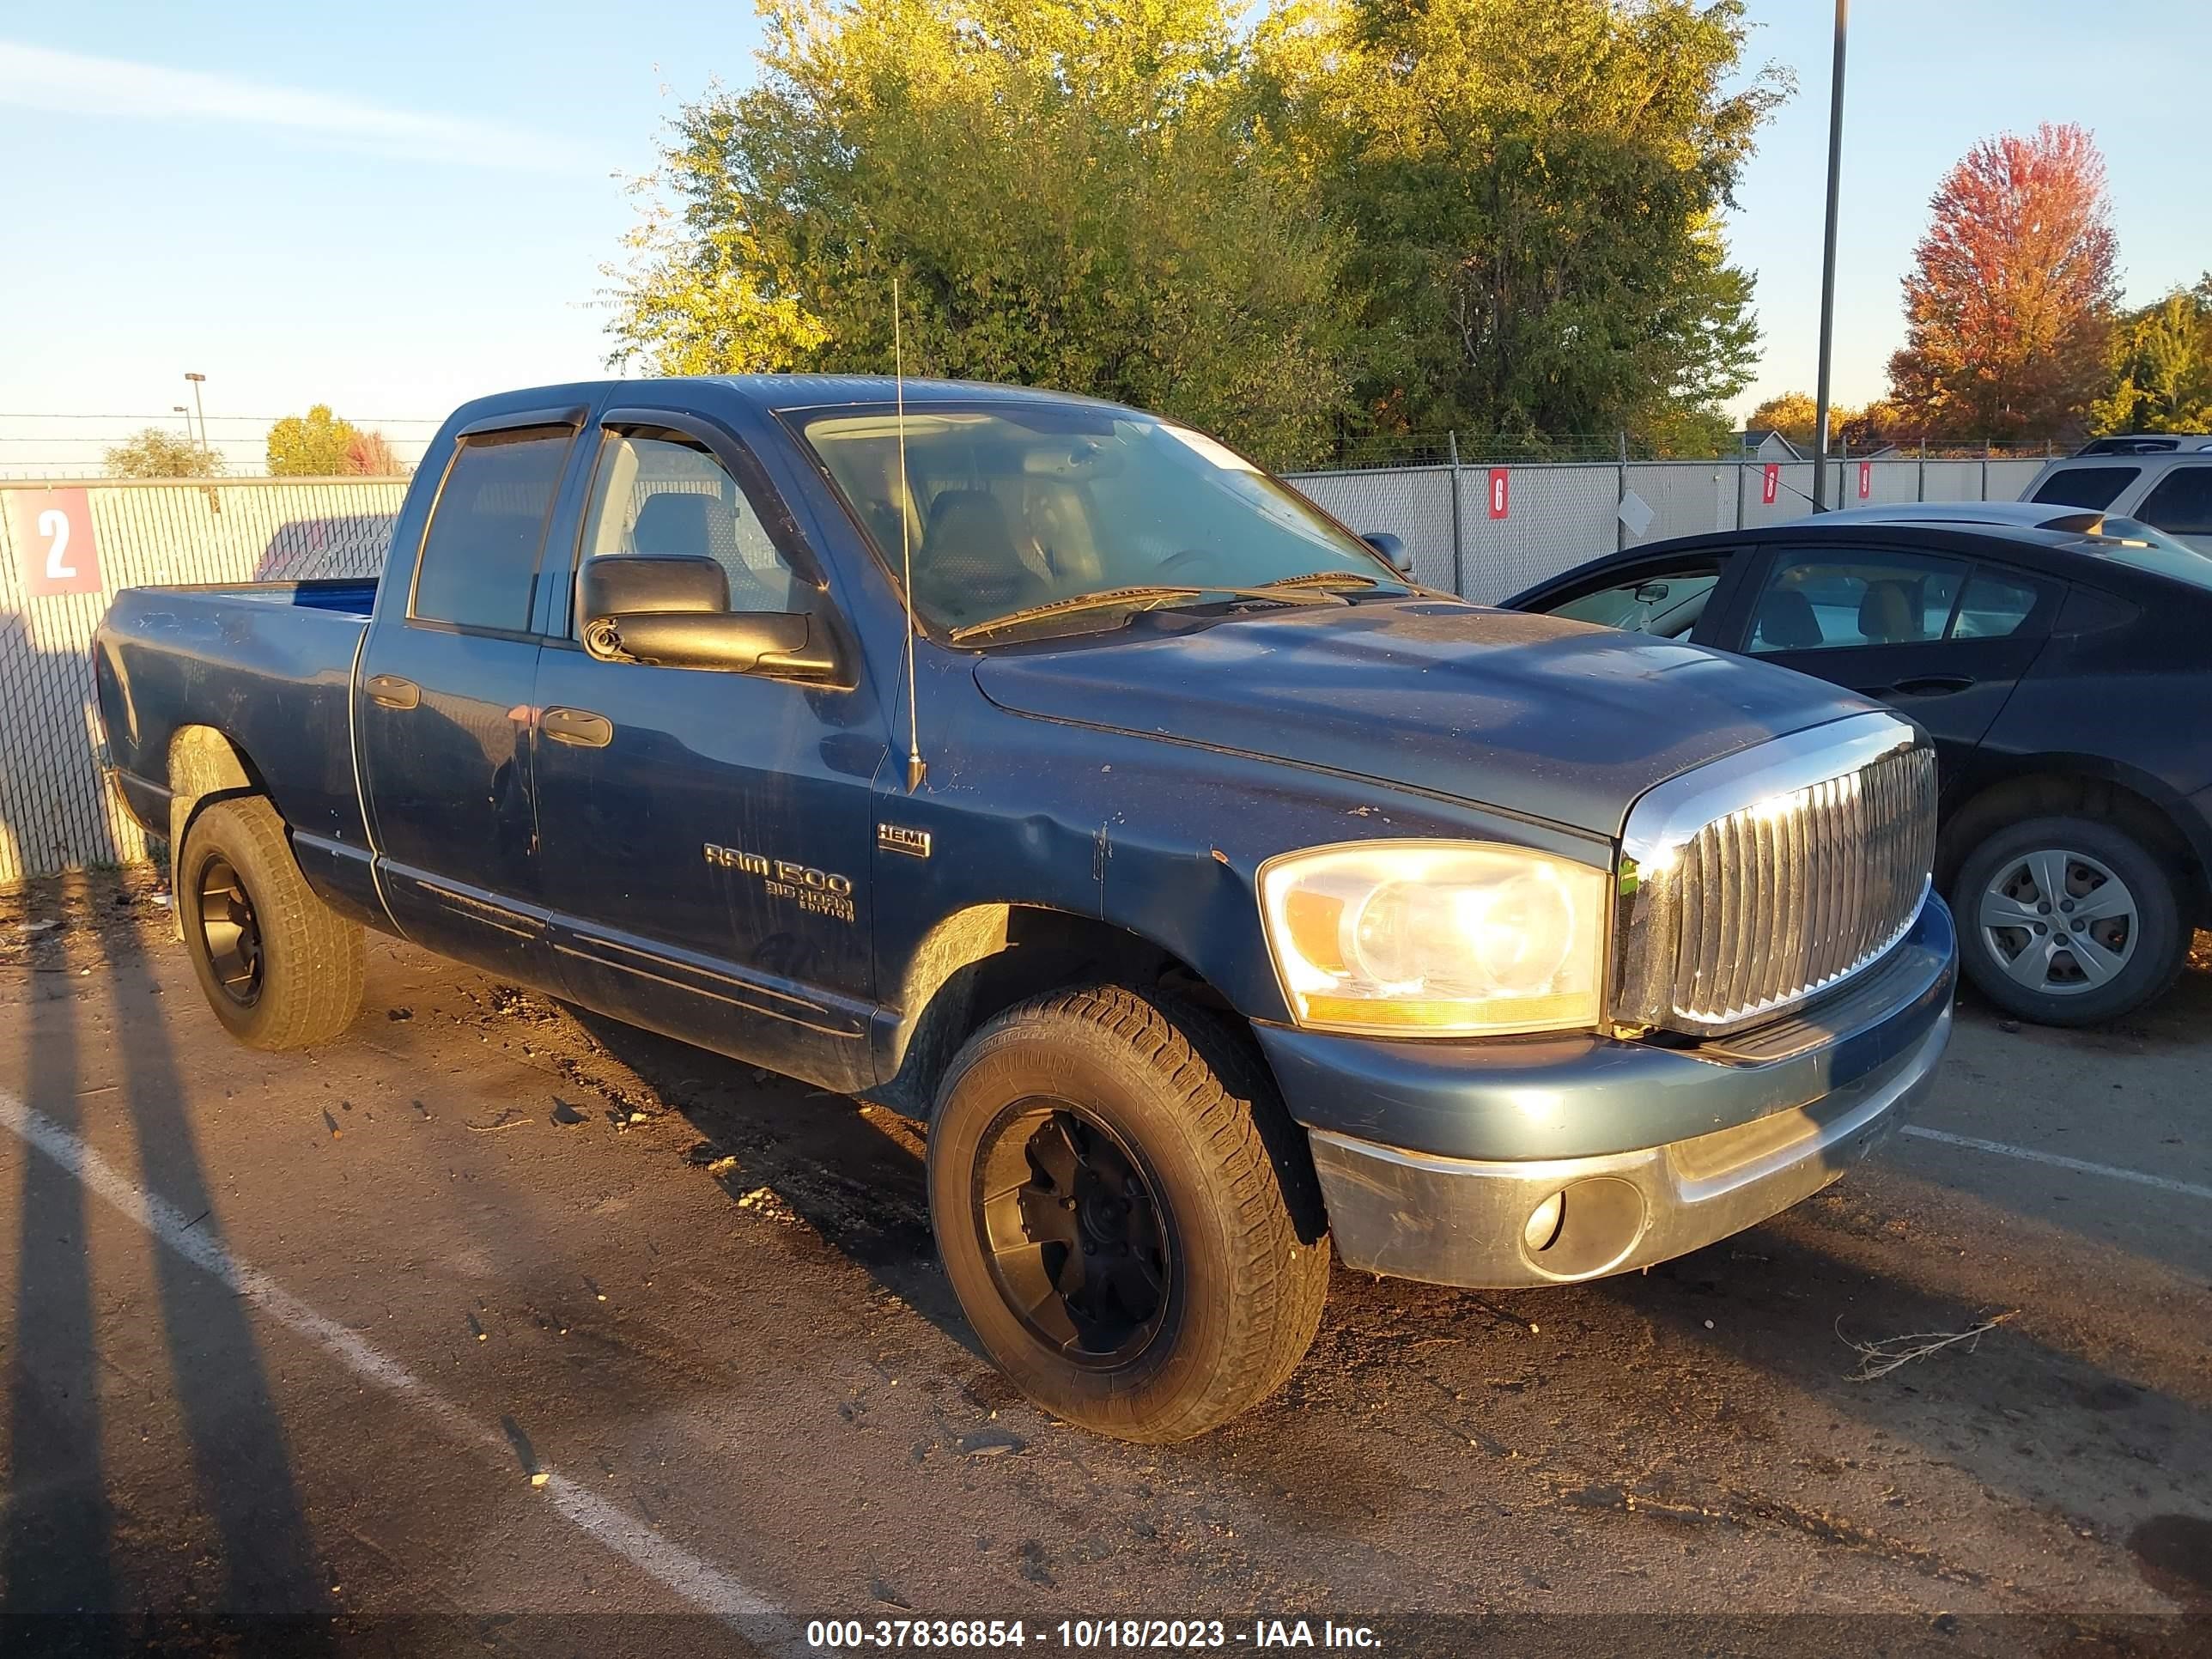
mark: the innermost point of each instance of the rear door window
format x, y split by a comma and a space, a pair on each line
2097, 487
480, 556
1835, 601
2181, 503
1996, 605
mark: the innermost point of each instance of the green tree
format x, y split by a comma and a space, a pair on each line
313, 445
1533, 196
2161, 367
1067, 188
154, 453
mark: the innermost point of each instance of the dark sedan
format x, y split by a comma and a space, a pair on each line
2063, 668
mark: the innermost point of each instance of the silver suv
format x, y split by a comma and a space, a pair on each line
2169, 490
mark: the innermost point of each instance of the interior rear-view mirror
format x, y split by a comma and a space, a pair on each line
1650, 593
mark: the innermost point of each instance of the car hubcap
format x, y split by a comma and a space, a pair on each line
1073, 1231
2058, 923
230, 933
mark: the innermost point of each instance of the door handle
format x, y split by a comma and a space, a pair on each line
390, 691
578, 727
1934, 685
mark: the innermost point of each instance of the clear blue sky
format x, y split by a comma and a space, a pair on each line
391, 207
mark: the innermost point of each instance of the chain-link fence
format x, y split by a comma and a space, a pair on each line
1486, 532
55, 812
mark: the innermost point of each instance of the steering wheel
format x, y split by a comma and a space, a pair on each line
1175, 562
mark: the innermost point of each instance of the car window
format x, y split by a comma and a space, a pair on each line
2086, 486
1667, 603
1995, 606
2181, 503
480, 555
671, 495
1833, 601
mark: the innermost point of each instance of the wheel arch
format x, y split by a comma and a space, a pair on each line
204, 765
980, 960
2057, 784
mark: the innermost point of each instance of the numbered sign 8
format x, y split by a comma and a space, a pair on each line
53, 530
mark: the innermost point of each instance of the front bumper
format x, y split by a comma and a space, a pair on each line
1434, 1157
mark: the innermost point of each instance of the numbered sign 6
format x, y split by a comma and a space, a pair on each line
1501, 488
53, 530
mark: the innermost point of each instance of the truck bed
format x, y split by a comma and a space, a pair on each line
271, 663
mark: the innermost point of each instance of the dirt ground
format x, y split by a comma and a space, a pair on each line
498, 1327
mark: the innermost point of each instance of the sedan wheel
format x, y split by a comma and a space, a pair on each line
2069, 920
2060, 921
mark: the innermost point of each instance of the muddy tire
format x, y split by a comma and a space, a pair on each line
280, 968
1126, 1213
2068, 922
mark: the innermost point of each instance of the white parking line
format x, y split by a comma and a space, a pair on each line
2187, 1189
703, 1585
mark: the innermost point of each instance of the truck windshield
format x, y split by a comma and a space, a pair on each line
1008, 506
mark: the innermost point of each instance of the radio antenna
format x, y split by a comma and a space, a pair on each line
916, 768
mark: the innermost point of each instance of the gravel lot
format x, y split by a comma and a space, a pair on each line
496, 1328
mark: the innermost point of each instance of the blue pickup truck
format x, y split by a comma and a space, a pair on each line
1219, 894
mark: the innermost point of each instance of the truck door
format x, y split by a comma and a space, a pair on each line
442, 705
706, 835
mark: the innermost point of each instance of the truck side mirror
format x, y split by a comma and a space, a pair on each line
1392, 548
673, 611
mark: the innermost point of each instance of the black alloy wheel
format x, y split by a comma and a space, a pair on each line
1071, 1226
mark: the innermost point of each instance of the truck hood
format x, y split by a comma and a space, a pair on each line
1549, 719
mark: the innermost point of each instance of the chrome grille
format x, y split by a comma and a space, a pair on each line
1754, 885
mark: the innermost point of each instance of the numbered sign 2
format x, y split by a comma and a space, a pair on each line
53, 539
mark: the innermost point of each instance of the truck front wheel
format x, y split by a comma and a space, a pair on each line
1126, 1213
279, 967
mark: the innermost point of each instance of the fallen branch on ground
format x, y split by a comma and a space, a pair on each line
1881, 1359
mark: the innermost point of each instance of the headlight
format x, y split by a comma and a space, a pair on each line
1435, 939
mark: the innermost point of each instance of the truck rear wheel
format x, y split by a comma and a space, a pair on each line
280, 968
1126, 1213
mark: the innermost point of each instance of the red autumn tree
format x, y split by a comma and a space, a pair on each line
2010, 300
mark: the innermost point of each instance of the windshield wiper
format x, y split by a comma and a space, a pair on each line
1099, 601
1326, 579
1148, 597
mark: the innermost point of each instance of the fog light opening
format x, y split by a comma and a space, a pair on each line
1546, 1222
1587, 1228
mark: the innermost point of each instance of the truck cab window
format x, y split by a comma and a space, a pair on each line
665, 495
481, 553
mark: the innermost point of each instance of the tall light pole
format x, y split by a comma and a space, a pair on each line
1828, 269
199, 380
180, 409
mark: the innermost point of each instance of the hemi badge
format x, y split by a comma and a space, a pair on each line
896, 838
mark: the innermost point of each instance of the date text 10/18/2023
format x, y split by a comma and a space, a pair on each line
1083, 1635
